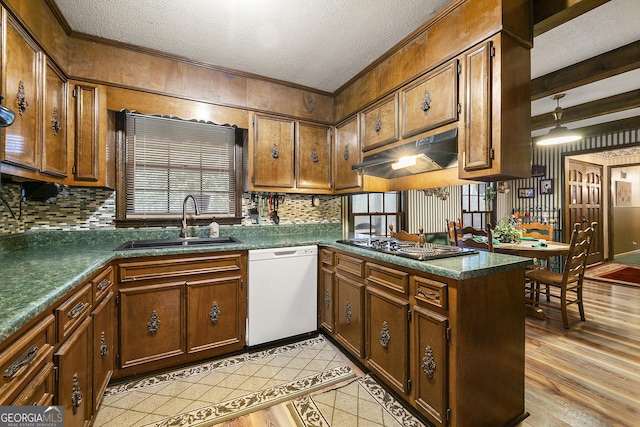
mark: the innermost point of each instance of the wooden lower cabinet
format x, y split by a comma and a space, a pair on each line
388, 338
431, 362
152, 323
326, 300
104, 349
180, 309
214, 319
453, 349
74, 383
349, 315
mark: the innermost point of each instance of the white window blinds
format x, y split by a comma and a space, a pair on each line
167, 159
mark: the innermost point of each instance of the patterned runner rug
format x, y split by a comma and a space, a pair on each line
615, 273
363, 402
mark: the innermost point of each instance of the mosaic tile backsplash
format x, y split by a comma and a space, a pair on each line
94, 209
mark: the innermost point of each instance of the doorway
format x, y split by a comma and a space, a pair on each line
583, 202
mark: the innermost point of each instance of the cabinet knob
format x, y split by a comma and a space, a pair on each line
327, 299
348, 313
428, 362
385, 337
104, 349
214, 313
76, 396
153, 324
426, 102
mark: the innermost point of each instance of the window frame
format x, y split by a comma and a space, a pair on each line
121, 218
399, 213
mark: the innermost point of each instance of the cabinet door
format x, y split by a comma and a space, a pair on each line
388, 338
104, 351
216, 315
273, 151
431, 364
54, 123
326, 300
21, 73
73, 390
87, 132
379, 124
349, 315
313, 156
347, 154
151, 323
432, 101
477, 148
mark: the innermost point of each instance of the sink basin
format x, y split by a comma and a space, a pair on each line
176, 243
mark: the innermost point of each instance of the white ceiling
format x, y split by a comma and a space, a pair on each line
322, 44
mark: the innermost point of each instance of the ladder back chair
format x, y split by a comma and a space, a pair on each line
470, 237
565, 286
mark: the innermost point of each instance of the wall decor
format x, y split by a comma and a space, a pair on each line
525, 193
623, 193
546, 186
538, 170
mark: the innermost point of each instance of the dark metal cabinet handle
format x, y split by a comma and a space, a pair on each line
23, 360
385, 337
103, 284
378, 126
428, 362
76, 310
274, 151
426, 103
104, 349
76, 395
327, 299
429, 295
55, 122
214, 314
23, 104
153, 324
348, 313
314, 156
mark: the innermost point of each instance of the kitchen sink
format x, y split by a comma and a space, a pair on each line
175, 243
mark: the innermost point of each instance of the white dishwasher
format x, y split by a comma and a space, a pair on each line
282, 293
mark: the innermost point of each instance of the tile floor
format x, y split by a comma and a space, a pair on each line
176, 398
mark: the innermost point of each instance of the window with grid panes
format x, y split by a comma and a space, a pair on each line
372, 213
166, 159
475, 212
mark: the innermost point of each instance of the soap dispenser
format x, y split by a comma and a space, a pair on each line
214, 229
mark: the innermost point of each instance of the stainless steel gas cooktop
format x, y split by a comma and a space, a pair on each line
406, 249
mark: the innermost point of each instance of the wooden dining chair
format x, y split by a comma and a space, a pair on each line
476, 238
565, 286
536, 230
403, 235
451, 227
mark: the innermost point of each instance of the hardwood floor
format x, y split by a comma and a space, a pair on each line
586, 376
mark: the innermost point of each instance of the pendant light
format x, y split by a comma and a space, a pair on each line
559, 134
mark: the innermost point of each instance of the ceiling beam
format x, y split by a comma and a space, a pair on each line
600, 107
608, 64
548, 14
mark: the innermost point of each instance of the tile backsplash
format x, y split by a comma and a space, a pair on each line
94, 208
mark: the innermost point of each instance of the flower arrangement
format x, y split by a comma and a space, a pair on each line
506, 231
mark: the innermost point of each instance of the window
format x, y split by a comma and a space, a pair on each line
166, 159
475, 212
372, 213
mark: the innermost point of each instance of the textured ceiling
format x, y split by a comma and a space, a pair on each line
322, 44
319, 44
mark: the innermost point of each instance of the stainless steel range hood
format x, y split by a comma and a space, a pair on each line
423, 155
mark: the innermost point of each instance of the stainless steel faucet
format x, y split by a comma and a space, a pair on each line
183, 232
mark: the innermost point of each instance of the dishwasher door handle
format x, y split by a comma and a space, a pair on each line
283, 253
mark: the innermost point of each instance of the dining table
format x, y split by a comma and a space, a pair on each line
533, 248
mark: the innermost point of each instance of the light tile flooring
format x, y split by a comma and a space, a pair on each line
174, 397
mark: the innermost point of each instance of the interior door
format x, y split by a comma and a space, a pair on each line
584, 202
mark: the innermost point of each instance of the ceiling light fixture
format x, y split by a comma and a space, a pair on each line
559, 134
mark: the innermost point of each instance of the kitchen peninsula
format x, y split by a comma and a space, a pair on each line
478, 310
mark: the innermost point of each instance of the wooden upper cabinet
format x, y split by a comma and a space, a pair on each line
87, 132
272, 152
54, 123
495, 141
313, 156
379, 124
21, 70
345, 155
431, 101
477, 136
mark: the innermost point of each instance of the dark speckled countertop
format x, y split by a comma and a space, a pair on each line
37, 269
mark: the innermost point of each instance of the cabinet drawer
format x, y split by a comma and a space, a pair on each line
431, 102
102, 283
430, 292
180, 266
389, 278
39, 391
73, 311
27, 356
379, 124
350, 265
326, 256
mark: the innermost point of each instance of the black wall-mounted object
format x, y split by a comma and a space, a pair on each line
41, 191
